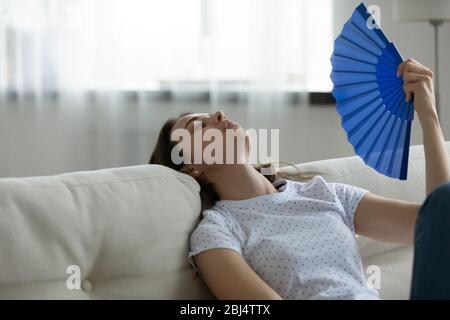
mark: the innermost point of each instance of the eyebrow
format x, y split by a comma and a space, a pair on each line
190, 120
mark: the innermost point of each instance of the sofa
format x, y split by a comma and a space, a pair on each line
123, 233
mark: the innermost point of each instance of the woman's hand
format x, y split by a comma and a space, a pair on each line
418, 80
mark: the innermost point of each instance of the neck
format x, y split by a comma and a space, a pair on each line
239, 182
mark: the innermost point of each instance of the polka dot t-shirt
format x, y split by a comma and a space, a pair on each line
300, 240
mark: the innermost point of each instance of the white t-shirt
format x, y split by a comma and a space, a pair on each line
300, 240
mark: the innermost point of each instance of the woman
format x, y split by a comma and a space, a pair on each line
295, 240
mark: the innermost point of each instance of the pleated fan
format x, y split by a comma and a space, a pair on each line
369, 96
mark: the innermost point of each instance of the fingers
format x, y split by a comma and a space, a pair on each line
409, 76
412, 65
408, 92
410, 88
422, 66
415, 76
417, 88
402, 66
422, 80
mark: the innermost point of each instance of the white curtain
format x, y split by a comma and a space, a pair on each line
256, 49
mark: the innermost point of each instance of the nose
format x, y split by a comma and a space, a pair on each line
219, 116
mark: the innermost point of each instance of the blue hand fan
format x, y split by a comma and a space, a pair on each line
370, 97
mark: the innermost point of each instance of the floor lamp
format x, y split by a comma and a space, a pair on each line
435, 12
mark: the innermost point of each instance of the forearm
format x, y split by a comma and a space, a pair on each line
437, 163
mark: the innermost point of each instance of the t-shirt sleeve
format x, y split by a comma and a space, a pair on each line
349, 196
213, 231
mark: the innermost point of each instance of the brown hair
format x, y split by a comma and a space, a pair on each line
162, 155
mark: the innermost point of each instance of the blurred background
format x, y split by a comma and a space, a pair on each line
87, 84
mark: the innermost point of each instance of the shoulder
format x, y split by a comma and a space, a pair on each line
321, 182
215, 219
215, 215
318, 187
317, 179
315, 184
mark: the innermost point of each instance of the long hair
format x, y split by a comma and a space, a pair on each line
162, 155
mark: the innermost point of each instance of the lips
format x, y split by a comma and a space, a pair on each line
230, 125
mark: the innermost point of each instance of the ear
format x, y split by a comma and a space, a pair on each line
191, 170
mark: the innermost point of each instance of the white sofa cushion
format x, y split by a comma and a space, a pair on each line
126, 228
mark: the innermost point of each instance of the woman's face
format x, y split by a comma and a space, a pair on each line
220, 138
